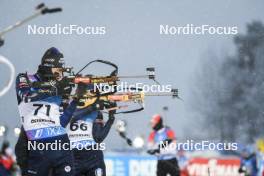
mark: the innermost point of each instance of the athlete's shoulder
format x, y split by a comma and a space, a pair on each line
21, 77
25, 77
170, 132
21, 80
151, 136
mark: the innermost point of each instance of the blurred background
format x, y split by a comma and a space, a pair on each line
219, 77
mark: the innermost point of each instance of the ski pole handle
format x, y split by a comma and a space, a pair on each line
40, 10
54, 10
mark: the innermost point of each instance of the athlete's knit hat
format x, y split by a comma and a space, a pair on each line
52, 58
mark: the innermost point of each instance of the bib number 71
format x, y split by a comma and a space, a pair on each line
39, 106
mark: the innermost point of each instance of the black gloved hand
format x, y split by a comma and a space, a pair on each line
241, 170
81, 90
63, 87
153, 151
129, 142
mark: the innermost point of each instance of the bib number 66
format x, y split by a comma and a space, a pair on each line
74, 126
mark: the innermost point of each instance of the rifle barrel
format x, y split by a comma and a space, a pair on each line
159, 94
137, 76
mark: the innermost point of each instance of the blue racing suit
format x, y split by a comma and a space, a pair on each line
44, 124
86, 132
248, 165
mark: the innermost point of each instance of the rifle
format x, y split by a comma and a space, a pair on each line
100, 98
78, 78
128, 97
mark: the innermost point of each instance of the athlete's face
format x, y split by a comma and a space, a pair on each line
58, 73
153, 123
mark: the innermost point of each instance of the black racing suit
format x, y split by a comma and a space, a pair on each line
43, 123
167, 162
89, 161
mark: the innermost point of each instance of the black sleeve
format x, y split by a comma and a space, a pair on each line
21, 150
101, 130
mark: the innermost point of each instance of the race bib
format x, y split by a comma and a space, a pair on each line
41, 119
81, 132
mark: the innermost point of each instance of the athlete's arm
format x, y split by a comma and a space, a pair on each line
25, 92
152, 150
100, 131
68, 113
80, 113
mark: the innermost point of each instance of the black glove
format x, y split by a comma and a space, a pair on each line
153, 151
80, 91
123, 135
241, 170
129, 142
63, 88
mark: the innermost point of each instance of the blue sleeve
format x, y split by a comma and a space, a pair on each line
68, 113
80, 113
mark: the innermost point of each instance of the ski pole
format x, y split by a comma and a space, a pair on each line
41, 9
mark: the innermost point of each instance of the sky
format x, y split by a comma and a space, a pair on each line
133, 42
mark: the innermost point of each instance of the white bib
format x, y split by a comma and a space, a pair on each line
41, 119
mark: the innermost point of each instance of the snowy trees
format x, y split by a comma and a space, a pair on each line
231, 92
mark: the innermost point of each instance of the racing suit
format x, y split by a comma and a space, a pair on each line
249, 165
42, 124
167, 162
86, 132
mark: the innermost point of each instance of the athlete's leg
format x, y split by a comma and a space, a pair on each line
161, 170
38, 164
64, 164
173, 167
